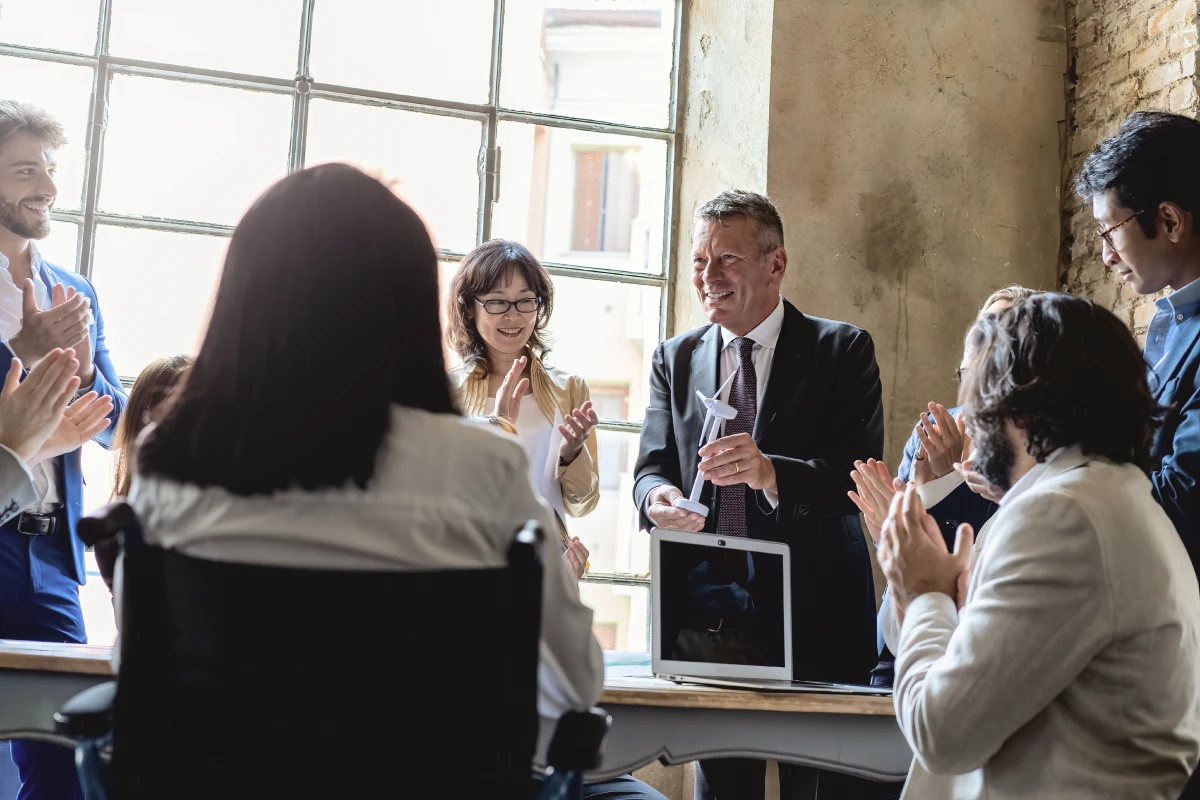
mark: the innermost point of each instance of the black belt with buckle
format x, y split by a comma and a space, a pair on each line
32, 524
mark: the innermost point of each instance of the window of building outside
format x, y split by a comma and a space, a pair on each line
551, 122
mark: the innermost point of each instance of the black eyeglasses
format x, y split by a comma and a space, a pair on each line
526, 305
1106, 233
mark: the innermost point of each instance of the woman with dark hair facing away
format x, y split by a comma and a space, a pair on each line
153, 386
316, 428
498, 307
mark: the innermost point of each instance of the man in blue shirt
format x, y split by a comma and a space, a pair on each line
1144, 187
43, 307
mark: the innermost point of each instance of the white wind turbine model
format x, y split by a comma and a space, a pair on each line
717, 412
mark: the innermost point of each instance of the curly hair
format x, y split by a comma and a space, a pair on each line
1065, 371
480, 272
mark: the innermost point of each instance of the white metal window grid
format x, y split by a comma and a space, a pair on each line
302, 90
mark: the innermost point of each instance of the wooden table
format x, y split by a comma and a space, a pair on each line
652, 719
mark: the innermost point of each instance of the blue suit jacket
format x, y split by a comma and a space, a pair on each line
1175, 456
69, 468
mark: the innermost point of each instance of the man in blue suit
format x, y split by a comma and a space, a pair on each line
42, 307
1144, 187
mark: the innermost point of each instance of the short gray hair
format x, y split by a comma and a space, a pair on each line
751, 206
18, 117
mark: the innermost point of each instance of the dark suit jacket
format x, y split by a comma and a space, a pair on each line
822, 410
1175, 456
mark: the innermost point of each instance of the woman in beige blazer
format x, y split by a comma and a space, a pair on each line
498, 307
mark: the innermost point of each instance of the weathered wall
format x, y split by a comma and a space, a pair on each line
1125, 55
725, 83
914, 152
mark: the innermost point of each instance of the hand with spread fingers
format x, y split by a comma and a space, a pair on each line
876, 486
736, 459
62, 326
514, 387
941, 438
574, 430
913, 553
32, 409
84, 420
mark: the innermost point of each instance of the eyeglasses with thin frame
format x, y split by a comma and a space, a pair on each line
1106, 233
526, 305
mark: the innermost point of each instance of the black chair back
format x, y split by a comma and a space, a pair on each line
254, 681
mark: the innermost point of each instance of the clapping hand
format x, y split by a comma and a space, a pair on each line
62, 326
876, 486
514, 387
574, 430
979, 484
32, 409
576, 557
941, 438
84, 420
913, 553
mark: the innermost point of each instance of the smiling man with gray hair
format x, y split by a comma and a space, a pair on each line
809, 403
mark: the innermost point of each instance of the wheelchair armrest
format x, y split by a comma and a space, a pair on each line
579, 740
87, 715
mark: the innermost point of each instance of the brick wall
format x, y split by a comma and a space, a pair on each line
1124, 55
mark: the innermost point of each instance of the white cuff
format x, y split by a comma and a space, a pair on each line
772, 498
937, 490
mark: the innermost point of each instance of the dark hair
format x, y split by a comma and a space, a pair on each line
1067, 372
18, 117
326, 317
1154, 157
154, 384
481, 271
752, 206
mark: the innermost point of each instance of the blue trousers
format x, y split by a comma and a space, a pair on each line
39, 601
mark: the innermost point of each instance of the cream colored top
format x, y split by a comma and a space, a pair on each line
446, 494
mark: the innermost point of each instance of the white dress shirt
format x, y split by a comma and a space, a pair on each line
446, 494
12, 312
765, 337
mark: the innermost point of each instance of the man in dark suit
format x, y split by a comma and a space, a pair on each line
1144, 187
809, 403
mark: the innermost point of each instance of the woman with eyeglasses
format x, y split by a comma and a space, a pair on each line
498, 308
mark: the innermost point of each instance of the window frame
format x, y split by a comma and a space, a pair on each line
303, 89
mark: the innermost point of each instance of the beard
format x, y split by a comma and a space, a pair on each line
12, 218
995, 455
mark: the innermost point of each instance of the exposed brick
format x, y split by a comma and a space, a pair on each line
1148, 56
1088, 58
1170, 16
1188, 64
1183, 41
1182, 97
1143, 313
1160, 77
1105, 295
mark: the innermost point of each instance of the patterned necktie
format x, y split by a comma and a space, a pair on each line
743, 395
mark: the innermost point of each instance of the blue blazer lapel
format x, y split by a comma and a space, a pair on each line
1179, 354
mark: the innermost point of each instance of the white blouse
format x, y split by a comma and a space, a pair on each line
446, 494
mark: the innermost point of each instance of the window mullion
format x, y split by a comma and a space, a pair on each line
303, 91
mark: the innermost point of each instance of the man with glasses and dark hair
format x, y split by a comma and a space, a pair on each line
1144, 186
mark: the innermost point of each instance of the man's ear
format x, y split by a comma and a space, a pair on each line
779, 261
1174, 221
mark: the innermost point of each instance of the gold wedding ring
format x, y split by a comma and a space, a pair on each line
736, 468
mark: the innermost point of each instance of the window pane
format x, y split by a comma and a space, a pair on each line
611, 531
189, 151
606, 61
65, 91
60, 247
592, 199
260, 37
618, 615
440, 50
68, 25
142, 322
607, 333
433, 160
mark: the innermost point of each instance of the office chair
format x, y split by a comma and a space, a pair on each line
252, 681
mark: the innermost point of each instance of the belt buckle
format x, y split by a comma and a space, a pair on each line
37, 524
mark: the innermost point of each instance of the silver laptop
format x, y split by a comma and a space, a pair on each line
723, 613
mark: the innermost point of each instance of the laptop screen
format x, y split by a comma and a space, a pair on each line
721, 606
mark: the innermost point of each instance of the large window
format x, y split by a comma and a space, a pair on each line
547, 121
